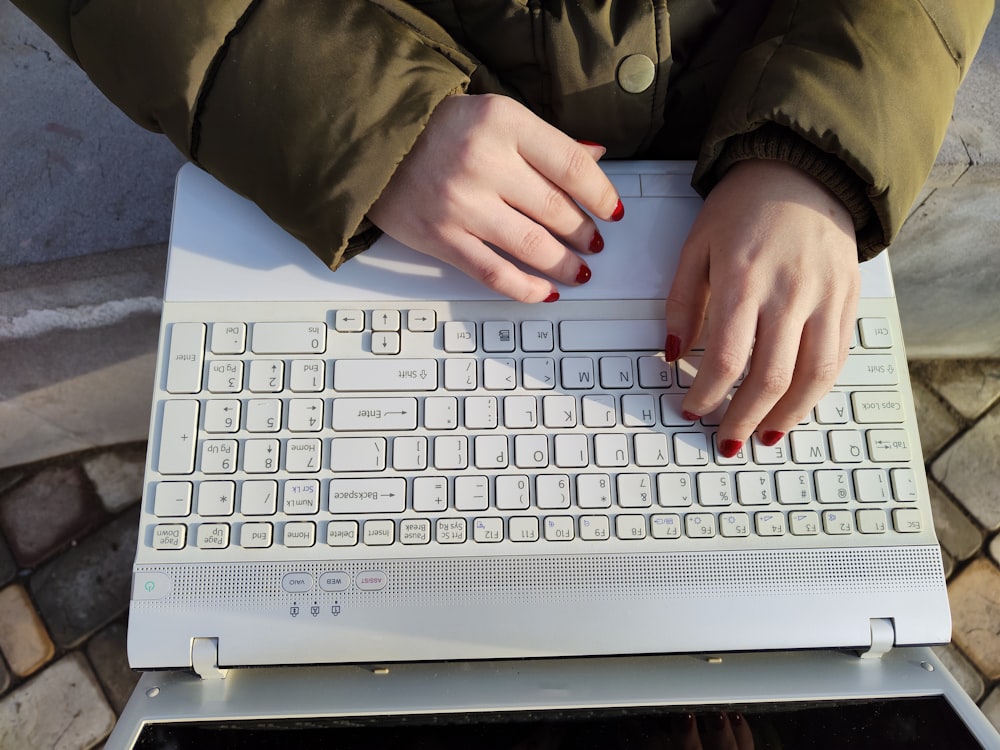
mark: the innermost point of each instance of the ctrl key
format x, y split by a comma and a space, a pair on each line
169, 536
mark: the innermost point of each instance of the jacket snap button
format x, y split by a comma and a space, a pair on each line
636, 73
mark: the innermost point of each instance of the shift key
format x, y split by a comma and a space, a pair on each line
869, 369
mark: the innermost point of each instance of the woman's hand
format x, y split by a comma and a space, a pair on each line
770, 263
487, 173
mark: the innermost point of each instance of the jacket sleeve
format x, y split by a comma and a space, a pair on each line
304, 106
857, 93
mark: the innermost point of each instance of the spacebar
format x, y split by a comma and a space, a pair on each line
612, 335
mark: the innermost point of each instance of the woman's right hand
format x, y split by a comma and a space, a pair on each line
487, 173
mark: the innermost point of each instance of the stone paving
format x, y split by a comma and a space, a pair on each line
68, 528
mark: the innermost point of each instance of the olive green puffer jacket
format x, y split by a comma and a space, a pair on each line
308, 106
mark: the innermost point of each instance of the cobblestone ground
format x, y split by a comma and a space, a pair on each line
68, 528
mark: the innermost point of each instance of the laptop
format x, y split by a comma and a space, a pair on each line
387, 494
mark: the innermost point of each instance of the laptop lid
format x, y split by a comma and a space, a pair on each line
906, 699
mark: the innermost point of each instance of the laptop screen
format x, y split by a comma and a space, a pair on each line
927, 722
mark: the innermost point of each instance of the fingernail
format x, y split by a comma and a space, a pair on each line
736, 718
689, 722
771, 437
672, 349
718, 721
619, 212
729, 448
583, 275
690, 416
552, 297
597, 242
589, 143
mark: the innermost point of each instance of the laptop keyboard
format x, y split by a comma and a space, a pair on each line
480, 428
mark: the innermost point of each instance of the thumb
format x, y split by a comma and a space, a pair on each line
687, 301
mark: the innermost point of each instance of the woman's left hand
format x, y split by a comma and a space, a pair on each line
770, 264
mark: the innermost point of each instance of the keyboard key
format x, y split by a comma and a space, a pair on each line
634, 491
832, 409
512, 492
803, 522
498, 336
671, 409
228, 338
263, 415
754, 488
869, 369
379, 532
217, 457
769, 523
385, 320
907, 520
674, 490
593, 491
665, 526
888, 445
875, 333
793, 487
808, 446
872, 485
460, 375
304, 455
216, 498
559, 528
373, 375
430, 494
612, 335
450, 530
559, 412
714, 489
368, 495
288, 338
877, 406
699, 525
599, 411
307, 375
222, 415
595, 528
178, 433
523, 529
615, 372
349, 321
373, 413
300, 497
169, 536
904, 485
421, 321
846, 446
734, 524
259, 498
299, 534
212, 536
459, 336
488, 530
655, 372
872, 521
532, 451
552, 491
690, 449
611, 449
491, 451
638, 411
451, 452
358, 454
415, 531
342, 533
266, 375
225, 376
172, 499
481, 412
440, 413
572, 451
538, 373
630, 527
499, 374
260, 456
184, 362
832, 486
471, 493
650, 448
838, 522
256, 535
305, 414
577, 373
536, 336
520, 412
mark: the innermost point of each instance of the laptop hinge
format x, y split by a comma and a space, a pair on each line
883, 638
205, 659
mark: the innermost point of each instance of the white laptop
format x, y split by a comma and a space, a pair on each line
497, 509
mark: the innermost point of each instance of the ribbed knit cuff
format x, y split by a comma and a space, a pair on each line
778, 143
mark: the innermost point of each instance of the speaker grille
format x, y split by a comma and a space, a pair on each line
567, 578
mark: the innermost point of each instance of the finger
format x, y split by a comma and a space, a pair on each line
529, 242
470, 255
541, 200
721, 737
686, 302
821, 356
571, 167
741, 731
732, 325
685, 732
772, 369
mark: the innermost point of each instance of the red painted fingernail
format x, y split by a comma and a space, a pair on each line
771, 437
583, 275
552, 297
672, 349
619, 212
729, 448
690, 416
597, 242
589, 143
